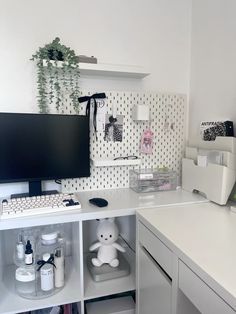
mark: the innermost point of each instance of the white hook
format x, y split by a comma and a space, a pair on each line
114, 110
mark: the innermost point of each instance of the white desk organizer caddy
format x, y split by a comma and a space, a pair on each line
215, 181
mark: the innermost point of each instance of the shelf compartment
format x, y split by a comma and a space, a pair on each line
92, 289
11, 303
99, 289
115, 163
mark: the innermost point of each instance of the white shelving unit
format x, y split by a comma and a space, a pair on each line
80, 228
79, 285
106, 69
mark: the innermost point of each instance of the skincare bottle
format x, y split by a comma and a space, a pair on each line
59, 262
28, 253
20, 252
46, 274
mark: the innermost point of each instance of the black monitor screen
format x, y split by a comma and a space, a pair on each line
43, 147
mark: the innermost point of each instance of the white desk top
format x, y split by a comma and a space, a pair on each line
204, 237
121, 202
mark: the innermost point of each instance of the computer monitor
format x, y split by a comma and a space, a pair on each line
36, 147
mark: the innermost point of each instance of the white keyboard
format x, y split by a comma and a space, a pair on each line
38, 205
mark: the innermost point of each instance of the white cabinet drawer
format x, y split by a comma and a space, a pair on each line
156, 248
200, 294
154, 286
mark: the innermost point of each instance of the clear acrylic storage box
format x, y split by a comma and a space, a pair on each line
152, 180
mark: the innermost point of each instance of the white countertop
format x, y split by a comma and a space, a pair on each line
121, 202
204, 237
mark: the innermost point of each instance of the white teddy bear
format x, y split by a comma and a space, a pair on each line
107, 234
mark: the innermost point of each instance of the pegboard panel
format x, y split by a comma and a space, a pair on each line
168, 145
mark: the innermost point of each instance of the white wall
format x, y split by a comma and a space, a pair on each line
213, 65
153, 33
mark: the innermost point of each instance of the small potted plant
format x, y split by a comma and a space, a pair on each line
58, 75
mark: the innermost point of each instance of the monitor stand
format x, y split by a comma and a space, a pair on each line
35, 189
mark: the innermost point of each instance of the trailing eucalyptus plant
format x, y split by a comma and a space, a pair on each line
57, 76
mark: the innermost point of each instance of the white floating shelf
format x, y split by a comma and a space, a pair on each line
115, 163
105, 69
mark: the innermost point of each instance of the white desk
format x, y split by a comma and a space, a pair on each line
121, 202
203, 237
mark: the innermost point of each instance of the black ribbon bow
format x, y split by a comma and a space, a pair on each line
88, 107
50, 261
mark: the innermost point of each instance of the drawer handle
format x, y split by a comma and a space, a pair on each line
157, 264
